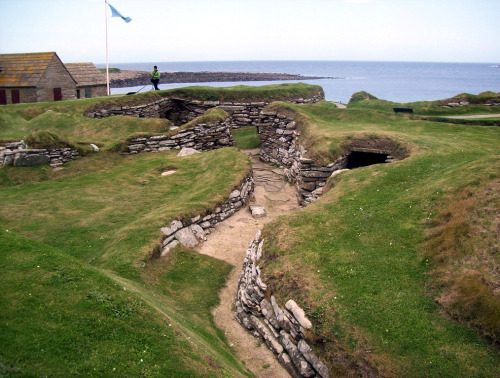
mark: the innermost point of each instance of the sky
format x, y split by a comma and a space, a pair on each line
234, 30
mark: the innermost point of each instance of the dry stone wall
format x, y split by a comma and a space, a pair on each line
282, 329
278, 144
189, 232
181, 111
17, 154
202, 137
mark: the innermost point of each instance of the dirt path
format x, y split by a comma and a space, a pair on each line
229, 242
473, 116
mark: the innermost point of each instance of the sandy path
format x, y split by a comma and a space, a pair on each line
229, 242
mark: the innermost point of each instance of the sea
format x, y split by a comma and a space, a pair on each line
393, 81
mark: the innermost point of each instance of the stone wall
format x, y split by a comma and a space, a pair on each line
278, 136
189, 232
181, 111
18, 155
278, 144
282, 329
202, 137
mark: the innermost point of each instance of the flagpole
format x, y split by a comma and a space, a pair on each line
107, 64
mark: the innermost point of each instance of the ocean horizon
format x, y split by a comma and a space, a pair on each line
393, 81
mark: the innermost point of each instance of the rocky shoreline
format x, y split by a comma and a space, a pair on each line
131, 78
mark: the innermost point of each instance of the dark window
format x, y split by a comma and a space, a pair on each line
57, 94
77, 93
3, 97
88, 92
15, 96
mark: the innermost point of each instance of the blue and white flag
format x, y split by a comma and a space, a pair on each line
115, 13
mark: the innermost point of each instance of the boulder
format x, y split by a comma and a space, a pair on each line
28, 160
186, 237
258, 211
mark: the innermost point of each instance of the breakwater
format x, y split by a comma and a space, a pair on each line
131, 78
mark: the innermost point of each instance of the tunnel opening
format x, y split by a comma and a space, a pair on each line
357, 159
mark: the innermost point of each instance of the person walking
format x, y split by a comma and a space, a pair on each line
155, 77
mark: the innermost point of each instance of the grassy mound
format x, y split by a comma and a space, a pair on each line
17, 122
80, 293
360, 260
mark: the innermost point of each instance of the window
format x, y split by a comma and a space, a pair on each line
57, 94
88, 92
3, 97
15, 96
78, 94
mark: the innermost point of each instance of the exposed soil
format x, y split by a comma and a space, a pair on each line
130, 78
229, 242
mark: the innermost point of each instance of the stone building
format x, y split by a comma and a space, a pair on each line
34, 77
90, 82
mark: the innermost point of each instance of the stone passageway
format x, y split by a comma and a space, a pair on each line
230, 241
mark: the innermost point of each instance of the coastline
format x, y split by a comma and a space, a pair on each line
130, 78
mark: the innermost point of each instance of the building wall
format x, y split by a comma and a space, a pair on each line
56, 76
25, 94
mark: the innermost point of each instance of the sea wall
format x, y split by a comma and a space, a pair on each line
189, 232
18, 154
282, 329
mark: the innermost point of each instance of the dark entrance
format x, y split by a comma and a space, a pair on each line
357, 159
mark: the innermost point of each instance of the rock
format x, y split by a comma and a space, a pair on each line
186, 237
287, 363
174, 226
298, 314
300, 363
167, 173
186, 151
198, 232
28, 160
335, 173
168, 247
315, 362
258, 211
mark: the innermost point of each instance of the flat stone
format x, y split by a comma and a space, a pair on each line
174, 226
258, 211
310, 357
298, 314
168, 173
276, 197
27, 160
186, 151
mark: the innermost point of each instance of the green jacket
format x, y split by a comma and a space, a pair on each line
155, 75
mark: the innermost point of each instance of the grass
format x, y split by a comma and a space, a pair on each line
18, 122
246, 138
98, 301
359, 260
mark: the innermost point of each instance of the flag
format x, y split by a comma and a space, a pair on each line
115, 13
